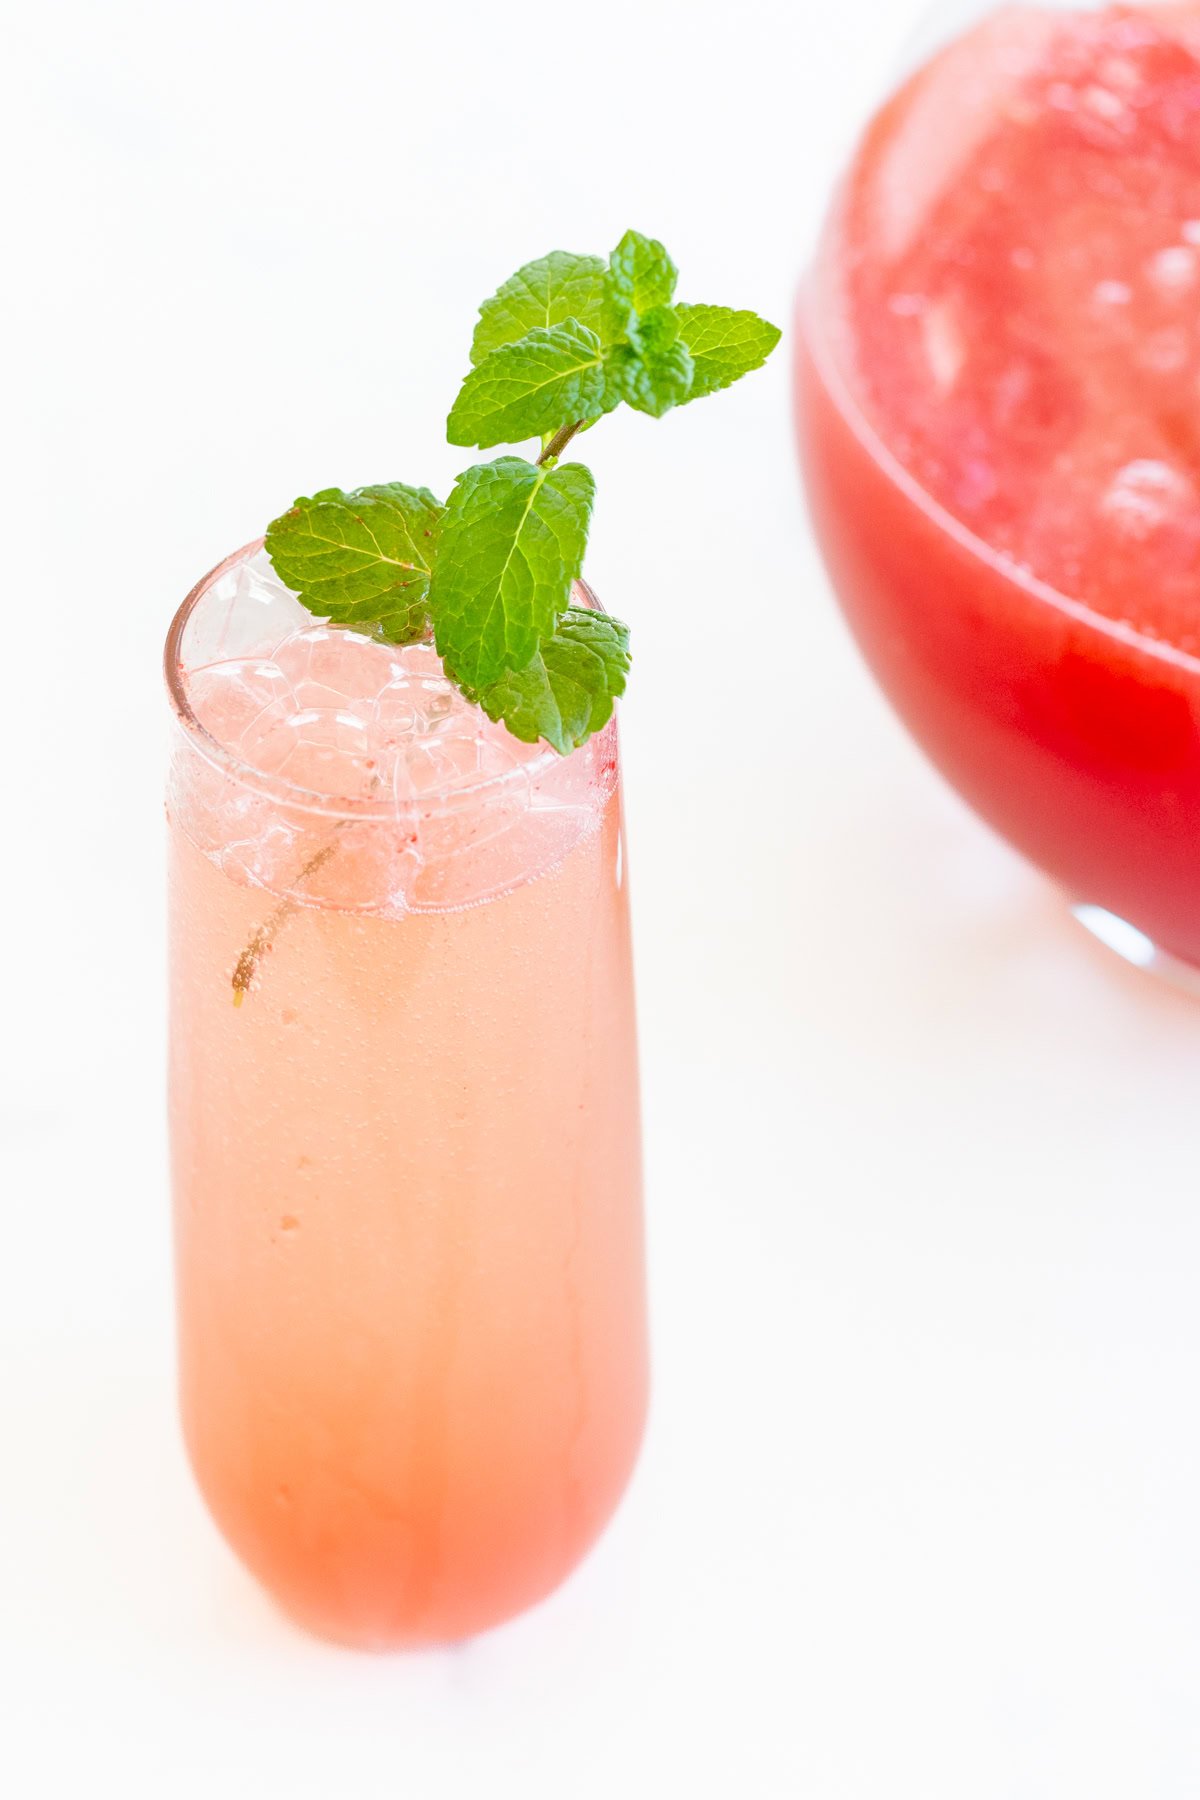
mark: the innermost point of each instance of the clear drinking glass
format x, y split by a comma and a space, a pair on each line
405, 1134
997, 401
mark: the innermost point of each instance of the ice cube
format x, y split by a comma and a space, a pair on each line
416, 707
330, 667
265, 611
395, 711
328, 750
246, 612
1142, 496
227, 697
268, 855
434, 763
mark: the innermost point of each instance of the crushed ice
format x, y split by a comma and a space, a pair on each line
333, 713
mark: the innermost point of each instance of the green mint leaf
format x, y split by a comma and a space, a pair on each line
640, 277
725, 345
552, 376
653, 372
567, 692
363, 558
549, 291
512, 543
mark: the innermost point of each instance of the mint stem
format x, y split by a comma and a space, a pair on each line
559, 442
262, 939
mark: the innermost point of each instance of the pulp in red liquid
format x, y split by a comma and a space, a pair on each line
999, 404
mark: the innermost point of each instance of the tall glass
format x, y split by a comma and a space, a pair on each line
405, 1133
996, 406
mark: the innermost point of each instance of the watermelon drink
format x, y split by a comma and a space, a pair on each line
999, 414
412, 1339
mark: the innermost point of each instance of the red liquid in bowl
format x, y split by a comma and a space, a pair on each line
999, 413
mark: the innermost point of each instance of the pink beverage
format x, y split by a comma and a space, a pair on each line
405, 1125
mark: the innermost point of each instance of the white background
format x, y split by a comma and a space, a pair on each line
917, 1513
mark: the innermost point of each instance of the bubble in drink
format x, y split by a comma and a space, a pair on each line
229, 698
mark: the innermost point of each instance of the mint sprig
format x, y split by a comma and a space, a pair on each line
556, 347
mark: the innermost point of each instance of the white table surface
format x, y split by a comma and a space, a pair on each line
917, 1513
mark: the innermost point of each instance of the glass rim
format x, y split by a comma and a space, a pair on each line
291, 793
815, 335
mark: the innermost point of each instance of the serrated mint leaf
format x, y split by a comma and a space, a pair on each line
567, 692
362, 558
546, 292
725, 345
512, 543
552, 376
653, 372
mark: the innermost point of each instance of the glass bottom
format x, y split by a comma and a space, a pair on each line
1135, 948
